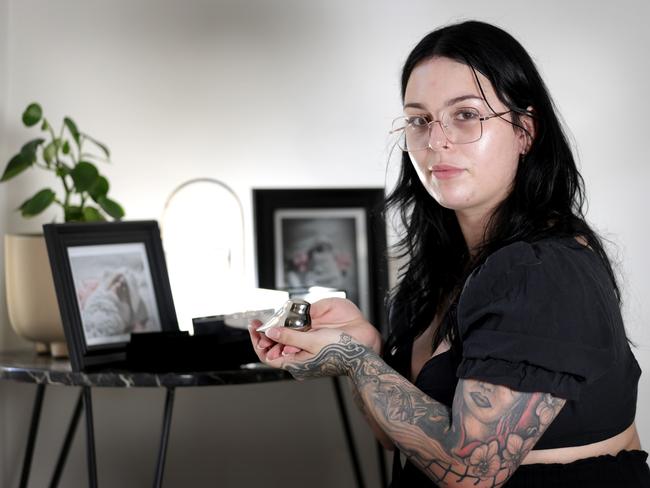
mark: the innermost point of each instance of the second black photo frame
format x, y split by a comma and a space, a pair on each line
335, 238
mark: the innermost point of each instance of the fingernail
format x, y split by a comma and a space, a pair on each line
273, 333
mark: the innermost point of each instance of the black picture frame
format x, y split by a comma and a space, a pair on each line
328, 218
111, 280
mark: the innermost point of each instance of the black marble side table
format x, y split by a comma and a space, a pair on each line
42, 370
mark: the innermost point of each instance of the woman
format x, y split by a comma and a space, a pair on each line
507, 362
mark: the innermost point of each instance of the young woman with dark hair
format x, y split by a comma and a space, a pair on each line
507, 361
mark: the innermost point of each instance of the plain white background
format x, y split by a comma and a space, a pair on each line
273, 94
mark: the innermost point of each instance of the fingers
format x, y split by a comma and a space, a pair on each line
326, 306
265, 348
274, 352
321, 307
255, 339
291, 338
262, 342
290, 350
279, 350
265, 343
333, 311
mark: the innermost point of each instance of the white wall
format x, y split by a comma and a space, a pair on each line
3, 78
264, 94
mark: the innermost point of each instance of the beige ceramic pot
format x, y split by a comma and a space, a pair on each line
31, 299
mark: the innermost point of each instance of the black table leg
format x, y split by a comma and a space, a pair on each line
31, 438
69, 436
164, 440
348, 433
90, 437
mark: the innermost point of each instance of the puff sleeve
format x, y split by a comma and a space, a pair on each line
539, 317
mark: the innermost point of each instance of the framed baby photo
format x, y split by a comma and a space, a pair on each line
330, 238
111, 281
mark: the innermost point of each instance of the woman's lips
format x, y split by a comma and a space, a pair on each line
444, 173
481, 400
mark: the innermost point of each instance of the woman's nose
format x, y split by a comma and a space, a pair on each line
437, 137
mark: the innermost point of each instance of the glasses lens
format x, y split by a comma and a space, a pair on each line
462, 125
413, 132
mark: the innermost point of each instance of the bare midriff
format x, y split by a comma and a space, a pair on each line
627, 440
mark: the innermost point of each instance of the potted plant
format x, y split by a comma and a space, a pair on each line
71, 156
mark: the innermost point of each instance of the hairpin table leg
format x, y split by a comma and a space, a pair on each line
348, 433
31, 438
164, 440
90, 437
69, 436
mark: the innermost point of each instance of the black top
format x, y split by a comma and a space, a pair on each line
542, 317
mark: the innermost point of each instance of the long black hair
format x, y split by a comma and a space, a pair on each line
546, 198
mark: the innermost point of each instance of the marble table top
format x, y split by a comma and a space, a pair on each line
26, 366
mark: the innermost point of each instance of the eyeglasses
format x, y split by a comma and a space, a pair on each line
460, 126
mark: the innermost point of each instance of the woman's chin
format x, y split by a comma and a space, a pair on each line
453, 202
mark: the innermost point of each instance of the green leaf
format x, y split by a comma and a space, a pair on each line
63, 170
99, 189
73, 213
45, 125
66, 147
37, 203
92, 214
84, 175
29, 149
17, 165
101, 146
49, 152
93, 157
111, 207
32, 114
72, 127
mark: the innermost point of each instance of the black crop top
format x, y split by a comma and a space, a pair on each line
542, 317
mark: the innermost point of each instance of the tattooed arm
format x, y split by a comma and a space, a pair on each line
478, 443
381, 436
335, 313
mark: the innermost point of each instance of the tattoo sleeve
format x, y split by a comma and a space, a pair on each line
478, 443
381, 436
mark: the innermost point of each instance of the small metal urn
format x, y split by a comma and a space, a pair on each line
293, 314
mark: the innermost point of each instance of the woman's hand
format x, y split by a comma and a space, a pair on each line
343, 314
327, 313
322, 352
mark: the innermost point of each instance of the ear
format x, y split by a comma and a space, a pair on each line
527, 136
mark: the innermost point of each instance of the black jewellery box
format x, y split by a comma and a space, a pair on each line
179, 351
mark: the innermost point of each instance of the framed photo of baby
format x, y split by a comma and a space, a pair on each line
333, 238
111, 281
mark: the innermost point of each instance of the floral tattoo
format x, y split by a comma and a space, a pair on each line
480, 443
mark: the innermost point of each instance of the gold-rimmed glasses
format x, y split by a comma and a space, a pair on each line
461, 125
